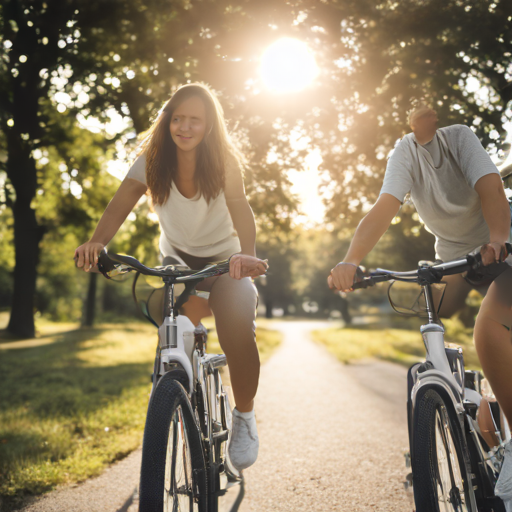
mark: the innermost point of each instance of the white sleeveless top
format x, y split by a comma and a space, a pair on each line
192, 225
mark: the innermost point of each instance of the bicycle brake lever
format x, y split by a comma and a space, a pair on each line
105, 264
508, 250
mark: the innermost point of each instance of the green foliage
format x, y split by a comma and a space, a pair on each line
403, 346
74, 401
390, 56
6, 256
65, 62
71, 405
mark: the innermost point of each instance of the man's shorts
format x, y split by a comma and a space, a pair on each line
482, 278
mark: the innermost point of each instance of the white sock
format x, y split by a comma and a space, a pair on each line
244, 415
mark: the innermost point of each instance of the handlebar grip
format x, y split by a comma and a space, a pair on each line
105, 264
365, 283
476, 259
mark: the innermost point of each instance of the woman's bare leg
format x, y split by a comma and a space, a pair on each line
493, 340
233, 303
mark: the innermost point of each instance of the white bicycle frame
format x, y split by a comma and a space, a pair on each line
450, 383
177, 347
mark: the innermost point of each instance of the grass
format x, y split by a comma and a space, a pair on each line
403, 346
72, 401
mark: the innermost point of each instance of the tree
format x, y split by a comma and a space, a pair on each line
74, 59
453, 55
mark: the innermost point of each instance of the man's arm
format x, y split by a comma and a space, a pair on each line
496, 211
367, 234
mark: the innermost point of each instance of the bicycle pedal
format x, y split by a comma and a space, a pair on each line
471, 408
221, 436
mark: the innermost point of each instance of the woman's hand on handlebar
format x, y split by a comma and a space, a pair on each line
493, 252
86, 256
342, 277
243, 265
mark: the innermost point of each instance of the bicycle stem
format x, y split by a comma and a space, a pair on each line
169, 339
433, 317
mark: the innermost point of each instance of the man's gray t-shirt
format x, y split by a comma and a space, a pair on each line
441, 176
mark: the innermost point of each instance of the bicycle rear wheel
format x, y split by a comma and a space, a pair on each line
440, 478
173, 475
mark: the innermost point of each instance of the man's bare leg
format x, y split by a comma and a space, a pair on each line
456, 291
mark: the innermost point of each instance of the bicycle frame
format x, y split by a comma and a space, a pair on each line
207, 395
449, 381
204, 385
443, 372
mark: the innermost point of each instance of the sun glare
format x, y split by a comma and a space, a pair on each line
288, 65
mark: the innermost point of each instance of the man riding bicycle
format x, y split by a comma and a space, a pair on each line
459, 195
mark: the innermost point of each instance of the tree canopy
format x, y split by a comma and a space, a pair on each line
68, 63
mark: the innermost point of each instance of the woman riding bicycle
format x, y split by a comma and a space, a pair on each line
192, 172
458, 193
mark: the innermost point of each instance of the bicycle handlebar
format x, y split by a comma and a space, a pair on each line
111, 264
424, 275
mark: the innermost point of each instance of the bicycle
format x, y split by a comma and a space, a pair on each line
456, 433
185, 465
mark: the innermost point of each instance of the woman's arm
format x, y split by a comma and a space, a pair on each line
123, 202
245, 225
240, 210
496, 212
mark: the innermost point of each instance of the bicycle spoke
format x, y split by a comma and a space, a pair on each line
450, 485
178, 493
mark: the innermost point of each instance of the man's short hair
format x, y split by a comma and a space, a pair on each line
420, 111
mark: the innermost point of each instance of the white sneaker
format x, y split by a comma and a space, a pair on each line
243, 443
503, 487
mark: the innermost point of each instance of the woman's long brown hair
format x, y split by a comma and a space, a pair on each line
214, 152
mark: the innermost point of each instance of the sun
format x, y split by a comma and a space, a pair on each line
288, 65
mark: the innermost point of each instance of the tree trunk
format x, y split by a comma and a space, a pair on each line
27, 235
90, 301
268, 309
21, 170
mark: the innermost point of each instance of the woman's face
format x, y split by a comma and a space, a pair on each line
188, 124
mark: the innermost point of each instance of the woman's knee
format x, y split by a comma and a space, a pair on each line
234, 306
236, 295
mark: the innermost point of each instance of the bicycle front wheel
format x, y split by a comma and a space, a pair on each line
173, 475
440, 478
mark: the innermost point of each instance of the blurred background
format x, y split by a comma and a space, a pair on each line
316, 93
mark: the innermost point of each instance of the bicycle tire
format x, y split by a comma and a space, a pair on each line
440, 477
172, 479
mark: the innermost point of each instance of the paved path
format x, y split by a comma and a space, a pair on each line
112, 491
332, 437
